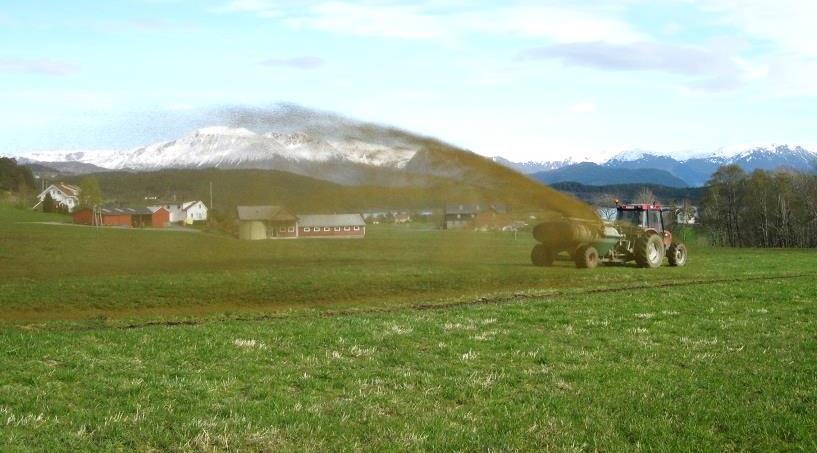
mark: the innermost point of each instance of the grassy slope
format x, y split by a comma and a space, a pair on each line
580, 361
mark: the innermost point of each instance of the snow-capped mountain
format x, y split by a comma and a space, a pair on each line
697, 169
531, 166
342, 160
694, 168
235, 148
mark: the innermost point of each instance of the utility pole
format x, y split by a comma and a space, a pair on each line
211, 194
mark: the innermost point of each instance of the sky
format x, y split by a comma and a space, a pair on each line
528, 80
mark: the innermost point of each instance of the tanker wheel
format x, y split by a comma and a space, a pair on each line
586, 257
677, 254
649, 251
541, 255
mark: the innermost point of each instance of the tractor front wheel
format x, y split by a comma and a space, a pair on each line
541, 255
649, 251
677, 254
586, 257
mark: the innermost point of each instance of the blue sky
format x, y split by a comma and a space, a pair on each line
533, 80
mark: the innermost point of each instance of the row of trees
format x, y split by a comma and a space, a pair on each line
15, 178
761, 209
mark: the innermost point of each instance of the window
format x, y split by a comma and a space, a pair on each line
337, 228
291, 229
325, 228
282, 229
346, 228
307, 229
655, 220
357, 228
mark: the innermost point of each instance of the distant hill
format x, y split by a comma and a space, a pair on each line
310, 195
694, 170
604, 195
594, 174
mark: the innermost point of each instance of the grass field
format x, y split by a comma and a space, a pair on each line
117, 339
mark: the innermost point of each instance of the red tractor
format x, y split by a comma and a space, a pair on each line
640, 233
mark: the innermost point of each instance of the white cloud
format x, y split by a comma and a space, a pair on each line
36, 66
390, 21
301, 62
787, 34
583, 107
559, 24
711, 68
435, 20
246, 6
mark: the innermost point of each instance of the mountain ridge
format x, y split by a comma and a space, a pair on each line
693, 170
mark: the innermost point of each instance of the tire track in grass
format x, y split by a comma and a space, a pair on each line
279, 313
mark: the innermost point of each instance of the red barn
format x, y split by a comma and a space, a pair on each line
124, 217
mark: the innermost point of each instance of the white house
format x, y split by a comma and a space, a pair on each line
64, 195
174, 208
186, 212
194, 211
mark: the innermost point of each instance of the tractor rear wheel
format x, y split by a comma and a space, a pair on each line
677, 254
586, 257
649, 251
541, 255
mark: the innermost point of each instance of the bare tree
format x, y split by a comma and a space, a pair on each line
646, 196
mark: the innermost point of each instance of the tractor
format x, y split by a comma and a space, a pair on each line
640, 233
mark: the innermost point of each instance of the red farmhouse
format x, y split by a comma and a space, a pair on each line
124, 217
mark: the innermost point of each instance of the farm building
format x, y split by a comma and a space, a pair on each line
124, 217
64, 196
266, 222
331, 226
491, 220
275, 222
686, 215
464, 216
188, 212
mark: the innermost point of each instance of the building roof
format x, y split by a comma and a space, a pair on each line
269, 213
475, 208
68, 189
126, 211
331, 220
162, 204
189, 204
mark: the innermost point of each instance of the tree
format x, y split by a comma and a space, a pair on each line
89, 193
646, 196
13, 177
48, 204
725, 196
764, 209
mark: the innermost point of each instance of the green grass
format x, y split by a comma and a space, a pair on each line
405, 340
72, 272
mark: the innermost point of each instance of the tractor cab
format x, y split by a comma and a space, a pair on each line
647, 217
644, 216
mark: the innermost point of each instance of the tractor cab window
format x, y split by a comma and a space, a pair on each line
633, 217
655, 220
